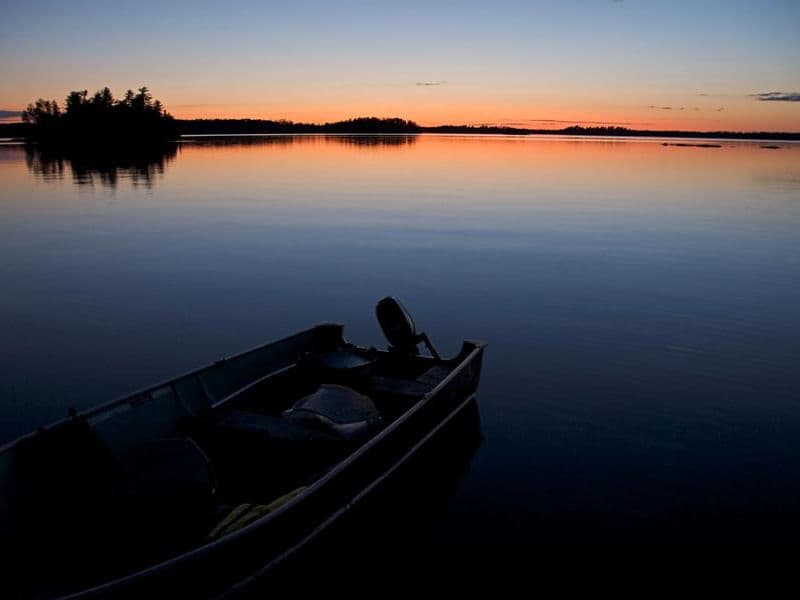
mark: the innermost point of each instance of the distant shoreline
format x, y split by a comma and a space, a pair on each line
655, 136
633, 133
400, 126
189, 127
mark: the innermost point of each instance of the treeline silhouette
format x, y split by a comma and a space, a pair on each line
614, 131
89, 120
624, 131
137, 118
373, 125
253, 126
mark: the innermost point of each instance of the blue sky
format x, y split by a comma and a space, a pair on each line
493, 61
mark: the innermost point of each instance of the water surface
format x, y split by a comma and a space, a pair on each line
640, 302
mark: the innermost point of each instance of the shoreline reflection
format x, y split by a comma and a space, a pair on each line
354, 140
141, 165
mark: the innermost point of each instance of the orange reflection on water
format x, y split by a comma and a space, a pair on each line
425, 170
418, 167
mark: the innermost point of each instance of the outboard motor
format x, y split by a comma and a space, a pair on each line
398, 327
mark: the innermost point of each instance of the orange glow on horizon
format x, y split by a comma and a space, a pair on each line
784, 118
458, 106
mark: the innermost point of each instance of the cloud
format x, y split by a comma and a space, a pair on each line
777, 96
693, 108
430, 83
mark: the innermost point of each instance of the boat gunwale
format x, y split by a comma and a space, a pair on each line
470, 350
94, 411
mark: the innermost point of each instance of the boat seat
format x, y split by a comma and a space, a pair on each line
317, 431
410, 388
277, 430
343, 365
336, 410
330, 416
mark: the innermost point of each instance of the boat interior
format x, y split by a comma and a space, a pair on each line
131, 483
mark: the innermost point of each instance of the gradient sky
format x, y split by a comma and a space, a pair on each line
678, 64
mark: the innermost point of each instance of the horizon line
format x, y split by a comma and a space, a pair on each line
508, 126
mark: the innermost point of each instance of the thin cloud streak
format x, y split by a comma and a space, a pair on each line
777, 96
430, 83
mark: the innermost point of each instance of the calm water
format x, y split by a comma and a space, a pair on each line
640, 302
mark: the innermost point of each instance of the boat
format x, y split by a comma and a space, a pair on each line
213, 480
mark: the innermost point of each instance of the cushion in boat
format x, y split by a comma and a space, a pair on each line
337, 409
333, 413
339, 404
240, 423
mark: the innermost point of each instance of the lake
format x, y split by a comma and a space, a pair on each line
640, 302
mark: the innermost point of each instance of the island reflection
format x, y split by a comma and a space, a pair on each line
142, 166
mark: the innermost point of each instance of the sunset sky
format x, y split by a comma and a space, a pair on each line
715, 64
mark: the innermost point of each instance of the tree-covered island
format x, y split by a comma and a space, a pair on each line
100, 120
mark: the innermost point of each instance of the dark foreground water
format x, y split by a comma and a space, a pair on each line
641, 303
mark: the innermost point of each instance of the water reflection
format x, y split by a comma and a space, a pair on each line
141, 165
376, 140
355, 140
640, 302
